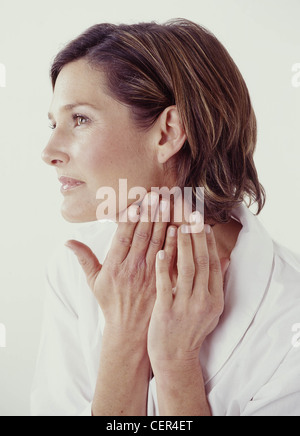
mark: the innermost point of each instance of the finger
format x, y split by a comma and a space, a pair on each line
196, 223
122, 239
170, 247
87, 260
215, 282
201, 260
143, 230
185, 264
224, 266
163, 281
158, 232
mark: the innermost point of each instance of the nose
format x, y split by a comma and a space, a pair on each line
53, 154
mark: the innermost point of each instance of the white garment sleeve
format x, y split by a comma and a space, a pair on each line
61, 384
281, 395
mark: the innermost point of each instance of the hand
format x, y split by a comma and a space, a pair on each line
125, 285
180, 322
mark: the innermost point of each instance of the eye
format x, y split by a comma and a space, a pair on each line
80, 119
52, 126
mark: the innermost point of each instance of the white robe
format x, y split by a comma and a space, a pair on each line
251, 362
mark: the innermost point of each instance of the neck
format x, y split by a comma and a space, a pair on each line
226, 235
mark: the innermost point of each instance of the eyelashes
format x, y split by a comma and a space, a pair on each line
78, 119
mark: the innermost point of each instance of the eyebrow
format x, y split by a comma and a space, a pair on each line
70, 107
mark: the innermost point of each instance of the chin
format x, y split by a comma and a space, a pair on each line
77, 215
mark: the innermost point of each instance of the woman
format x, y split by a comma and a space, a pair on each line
207, 310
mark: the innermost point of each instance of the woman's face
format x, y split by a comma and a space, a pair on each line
95, 143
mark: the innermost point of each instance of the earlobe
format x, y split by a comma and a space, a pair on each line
172, 134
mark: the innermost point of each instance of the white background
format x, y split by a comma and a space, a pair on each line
263, 37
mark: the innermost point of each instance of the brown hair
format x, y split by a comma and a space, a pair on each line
151, 66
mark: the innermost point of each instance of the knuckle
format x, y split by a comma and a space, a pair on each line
211, 308
142, 235
220, 305
125, 241
219, 309
156, 242
187, 271
202, 262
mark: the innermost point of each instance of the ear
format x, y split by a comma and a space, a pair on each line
171, 134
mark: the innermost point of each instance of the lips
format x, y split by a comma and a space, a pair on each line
68, 183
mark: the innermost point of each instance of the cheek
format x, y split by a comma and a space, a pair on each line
109, 154
106, 157
93, 154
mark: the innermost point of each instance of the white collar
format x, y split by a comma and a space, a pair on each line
246, 283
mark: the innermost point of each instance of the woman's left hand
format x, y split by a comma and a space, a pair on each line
182, 320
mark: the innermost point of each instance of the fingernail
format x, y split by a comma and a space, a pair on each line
161, 254
195, 217
172, 232
207, 228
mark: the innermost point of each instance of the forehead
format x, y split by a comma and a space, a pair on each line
79, 82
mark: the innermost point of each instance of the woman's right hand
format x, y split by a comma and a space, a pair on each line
125, 288
125, 285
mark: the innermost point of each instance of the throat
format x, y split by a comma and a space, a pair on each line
226, 236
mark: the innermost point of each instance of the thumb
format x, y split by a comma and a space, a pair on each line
87, 260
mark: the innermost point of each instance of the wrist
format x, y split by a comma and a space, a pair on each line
181, 389
123, 376
123, 343
171, 367
176, 370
